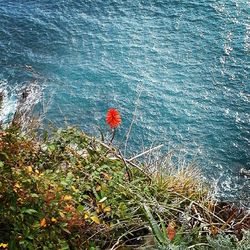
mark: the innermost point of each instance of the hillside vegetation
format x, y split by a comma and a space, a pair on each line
67, 190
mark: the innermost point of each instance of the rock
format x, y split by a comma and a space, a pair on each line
245, 172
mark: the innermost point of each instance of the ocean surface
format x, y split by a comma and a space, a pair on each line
179, 69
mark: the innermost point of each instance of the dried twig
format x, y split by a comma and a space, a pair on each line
202, 207
199, 244
145, 152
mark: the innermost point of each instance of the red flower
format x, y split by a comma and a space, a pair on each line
113, 118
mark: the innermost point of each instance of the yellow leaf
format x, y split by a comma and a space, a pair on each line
106, 176
4, 245
29, 169
61, 214
53, 220
67, 197
17, 185
98, 210
214, 230
20, 200
74, 189
95, 219
58, 189
98, 188
86, 215
107, 209
101, 206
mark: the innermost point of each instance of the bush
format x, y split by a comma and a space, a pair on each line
70, 191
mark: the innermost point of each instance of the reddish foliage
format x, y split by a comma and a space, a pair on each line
171, 231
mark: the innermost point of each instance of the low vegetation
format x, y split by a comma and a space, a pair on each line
67, 190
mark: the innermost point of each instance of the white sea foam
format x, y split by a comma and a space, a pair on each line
9, 102
13, 98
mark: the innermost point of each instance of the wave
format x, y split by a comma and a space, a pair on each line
18, 102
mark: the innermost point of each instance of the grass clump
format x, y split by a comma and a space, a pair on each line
71, 191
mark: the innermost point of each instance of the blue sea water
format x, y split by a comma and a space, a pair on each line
181, 68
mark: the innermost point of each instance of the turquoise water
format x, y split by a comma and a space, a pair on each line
183, 65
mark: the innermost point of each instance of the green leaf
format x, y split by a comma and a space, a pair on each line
80, 208
52, 147
4, 155
63, 227
163, 228
33, 195
28, 211
30, 237
66, 230
159, 235
64, 245
64, 183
